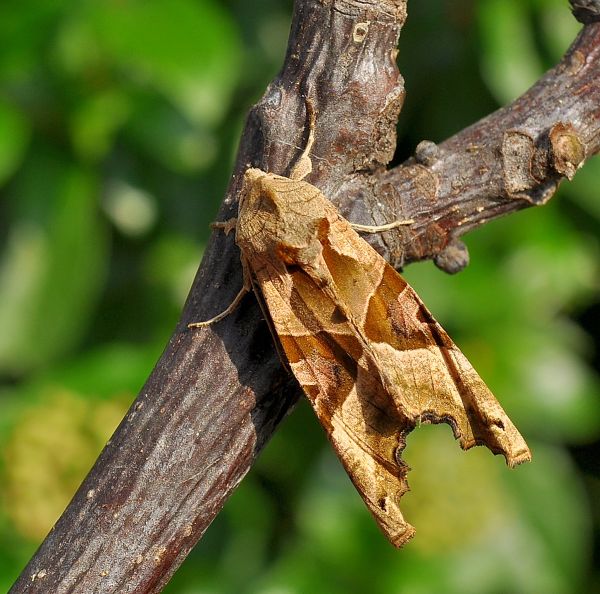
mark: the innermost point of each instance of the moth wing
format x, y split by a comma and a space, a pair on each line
372, 360
344, 389
428, 376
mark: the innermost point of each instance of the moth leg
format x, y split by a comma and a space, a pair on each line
246, 288
381, 228
228, 226
303, 165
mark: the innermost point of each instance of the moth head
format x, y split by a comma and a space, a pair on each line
252, 175
257, 193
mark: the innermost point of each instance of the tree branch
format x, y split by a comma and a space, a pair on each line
217, 394
512, 159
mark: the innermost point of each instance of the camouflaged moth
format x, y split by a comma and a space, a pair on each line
370, 357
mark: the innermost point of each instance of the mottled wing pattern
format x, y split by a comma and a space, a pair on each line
345, 390
370, 357
424, 371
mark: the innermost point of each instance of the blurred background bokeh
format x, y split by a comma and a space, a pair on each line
119, 121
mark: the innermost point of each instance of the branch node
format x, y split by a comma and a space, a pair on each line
567, 152
360, 31
453, 258
586, 11
532, 163
518, 156
427, 153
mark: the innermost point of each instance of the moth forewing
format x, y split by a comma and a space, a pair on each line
369, 356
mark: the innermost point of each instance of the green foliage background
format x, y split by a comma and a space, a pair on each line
119, 120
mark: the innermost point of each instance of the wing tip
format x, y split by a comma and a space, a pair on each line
515, 451
399, 539
389, 518
517, 457
498, 436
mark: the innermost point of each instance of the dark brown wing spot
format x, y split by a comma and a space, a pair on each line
323, 230
288, 254
312, 391
290, 348
338, 316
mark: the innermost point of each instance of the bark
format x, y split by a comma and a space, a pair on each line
217, 394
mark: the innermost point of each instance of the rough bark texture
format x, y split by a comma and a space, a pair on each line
217, 394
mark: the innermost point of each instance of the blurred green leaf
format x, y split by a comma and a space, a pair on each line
188, 50
510, 62
583, 190
14, 137
54, 265
558, 27
97, 121
162, 133
24, 27
172, 264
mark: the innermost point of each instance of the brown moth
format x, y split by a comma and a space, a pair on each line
371, 359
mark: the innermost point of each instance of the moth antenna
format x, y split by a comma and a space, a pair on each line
303, 165
398, 266
299, 148
246, 288
381, 228
230, 309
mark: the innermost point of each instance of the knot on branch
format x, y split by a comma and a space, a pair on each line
534, 163
586, 11
427, 152
453, 258
566, 150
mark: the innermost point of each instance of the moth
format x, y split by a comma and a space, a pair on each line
370, 357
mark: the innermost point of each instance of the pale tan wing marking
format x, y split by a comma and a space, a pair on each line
459, 396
